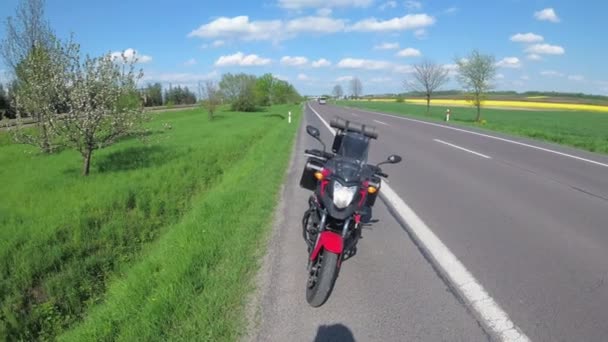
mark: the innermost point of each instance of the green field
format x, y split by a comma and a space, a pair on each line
160, 242
584, 130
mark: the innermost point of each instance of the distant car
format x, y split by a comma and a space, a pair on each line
322, 101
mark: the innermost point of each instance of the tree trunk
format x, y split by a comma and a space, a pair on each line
86, 162
46, 145
210, 115
478, 113
428, 103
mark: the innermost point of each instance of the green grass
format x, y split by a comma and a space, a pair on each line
159, 242
584, 130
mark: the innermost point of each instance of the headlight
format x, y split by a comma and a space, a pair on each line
343, 195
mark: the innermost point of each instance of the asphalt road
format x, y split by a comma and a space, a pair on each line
528, 220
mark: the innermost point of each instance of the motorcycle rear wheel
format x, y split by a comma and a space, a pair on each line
322, 278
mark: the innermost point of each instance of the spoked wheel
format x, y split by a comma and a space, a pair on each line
321, 278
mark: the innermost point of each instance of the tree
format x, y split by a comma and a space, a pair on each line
263, 87
211, 97
28, 50
38, 88
153, 95
476, 73
102, 101
179, 95
26, 31
239, 90
338, 92
3, 102
428, 77
356, 89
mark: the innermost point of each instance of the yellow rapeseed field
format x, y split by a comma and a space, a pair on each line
511, 104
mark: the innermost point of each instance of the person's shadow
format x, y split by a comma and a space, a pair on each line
334, 333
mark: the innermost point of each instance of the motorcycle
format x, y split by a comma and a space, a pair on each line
345, 188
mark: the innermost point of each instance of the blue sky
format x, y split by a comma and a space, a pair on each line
539, 45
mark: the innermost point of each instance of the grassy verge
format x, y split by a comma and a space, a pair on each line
584, 130
158, 243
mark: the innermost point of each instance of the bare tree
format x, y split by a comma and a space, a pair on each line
427, 78
476, 74
212, 97
356, 89
26, 31
338, 92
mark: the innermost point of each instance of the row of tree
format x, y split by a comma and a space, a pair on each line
475, 73
153, 95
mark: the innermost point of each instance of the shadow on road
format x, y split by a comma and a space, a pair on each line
334, 333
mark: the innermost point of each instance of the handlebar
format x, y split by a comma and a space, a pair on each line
345, 125
318, 153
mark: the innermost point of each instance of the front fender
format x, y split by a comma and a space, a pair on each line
329, 241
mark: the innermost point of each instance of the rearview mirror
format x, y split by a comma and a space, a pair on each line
313, 131
394, 159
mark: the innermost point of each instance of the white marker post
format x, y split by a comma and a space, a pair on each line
447, 114
289, 118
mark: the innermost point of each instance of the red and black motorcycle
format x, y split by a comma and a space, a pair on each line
345, 189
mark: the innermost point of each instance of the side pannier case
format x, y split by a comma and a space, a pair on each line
308, 180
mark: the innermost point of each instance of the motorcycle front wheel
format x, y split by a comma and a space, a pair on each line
322, 277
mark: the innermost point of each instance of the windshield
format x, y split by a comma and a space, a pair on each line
354, 146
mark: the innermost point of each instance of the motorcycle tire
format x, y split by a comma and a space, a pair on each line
318, 293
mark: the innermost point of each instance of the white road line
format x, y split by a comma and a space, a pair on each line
380, 122
488, 312
355, 115
493, 137
462, 148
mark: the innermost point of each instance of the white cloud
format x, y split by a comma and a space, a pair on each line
322, 62
300, 4
238, 27
218, 43
534, 57
551, 73
381, 79
509, 62
388, 4
547, 14
190, 62
420, 34
527, 38
407, 22
281, 77
451, 68
241, 59
294, 61
303, 77
545, 49
500, 76
525, 77
409, 52
387, 46
324, 12
179, 78
404, 69
131, 55
451, 10
344, 78
577, 78
368, 64
413, 5
314, 25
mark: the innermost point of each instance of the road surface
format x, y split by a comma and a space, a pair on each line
528, 220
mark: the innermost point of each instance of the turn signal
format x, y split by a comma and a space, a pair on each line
372, 189
318, 175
